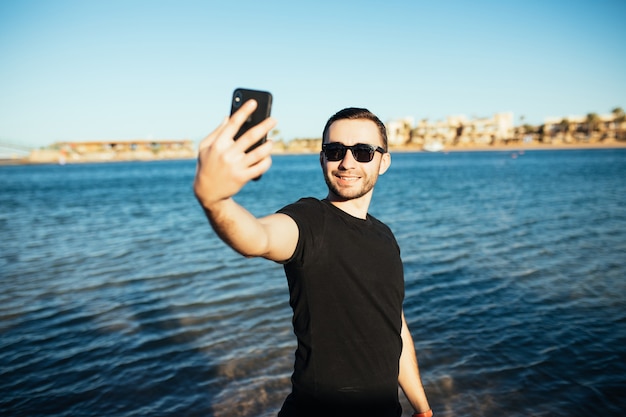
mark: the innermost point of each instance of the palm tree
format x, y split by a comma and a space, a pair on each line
593, 120
564, 127
528, 128
619, 119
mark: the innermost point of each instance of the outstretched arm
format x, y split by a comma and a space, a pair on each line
223, 169
409, 377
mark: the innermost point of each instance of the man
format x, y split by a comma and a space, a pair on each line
342, 265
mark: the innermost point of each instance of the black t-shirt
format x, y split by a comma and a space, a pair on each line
346, 288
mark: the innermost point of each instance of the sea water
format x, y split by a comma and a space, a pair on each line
117, 298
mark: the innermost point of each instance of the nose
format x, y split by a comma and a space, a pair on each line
348, 160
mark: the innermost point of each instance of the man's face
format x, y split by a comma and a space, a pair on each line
349, 179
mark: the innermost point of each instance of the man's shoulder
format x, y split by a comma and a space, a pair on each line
305, 203
377, 222
382, 227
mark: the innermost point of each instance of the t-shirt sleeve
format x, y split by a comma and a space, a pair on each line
306, 213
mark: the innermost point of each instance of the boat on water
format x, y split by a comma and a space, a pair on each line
433, 146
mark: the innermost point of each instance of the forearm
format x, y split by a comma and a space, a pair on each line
409, 376
237, 227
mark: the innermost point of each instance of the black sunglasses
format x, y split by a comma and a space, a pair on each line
361, 152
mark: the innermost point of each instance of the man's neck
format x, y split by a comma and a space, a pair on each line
356, 207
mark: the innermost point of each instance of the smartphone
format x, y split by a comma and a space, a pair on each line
262, 112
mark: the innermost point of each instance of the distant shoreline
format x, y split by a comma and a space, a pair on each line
488, 148
393, 149
529, 147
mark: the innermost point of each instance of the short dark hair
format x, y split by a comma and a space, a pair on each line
354, 113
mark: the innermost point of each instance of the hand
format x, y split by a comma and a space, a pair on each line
224, 167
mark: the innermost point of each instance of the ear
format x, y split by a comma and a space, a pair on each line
385, 162
322, 159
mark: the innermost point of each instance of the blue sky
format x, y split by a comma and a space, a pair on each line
97, 70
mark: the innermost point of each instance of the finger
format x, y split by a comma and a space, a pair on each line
206, 142
254, 134
259, 168
257, 154
259, 160
238, 118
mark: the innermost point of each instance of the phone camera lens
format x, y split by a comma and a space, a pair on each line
237, 99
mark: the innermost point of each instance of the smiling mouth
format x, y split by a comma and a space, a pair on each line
348, 178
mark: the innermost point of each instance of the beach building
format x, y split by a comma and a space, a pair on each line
584, 128
457, 131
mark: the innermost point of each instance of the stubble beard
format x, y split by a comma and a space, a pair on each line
345, 194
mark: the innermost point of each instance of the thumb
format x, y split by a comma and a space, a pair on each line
207, 141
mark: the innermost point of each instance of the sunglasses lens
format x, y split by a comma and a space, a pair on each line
335, 152
362, 153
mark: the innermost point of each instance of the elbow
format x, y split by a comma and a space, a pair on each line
249, 250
